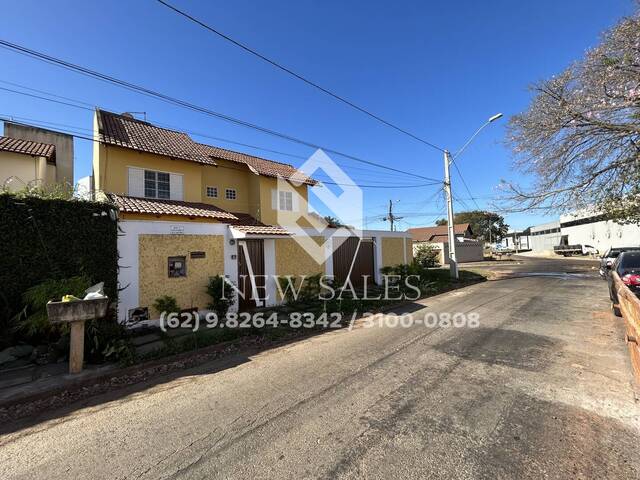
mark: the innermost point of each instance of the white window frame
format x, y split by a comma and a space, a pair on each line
230, 194
285, 201
136, 183
155, 175
215, 190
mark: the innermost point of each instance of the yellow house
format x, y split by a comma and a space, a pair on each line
24, 163
189, 211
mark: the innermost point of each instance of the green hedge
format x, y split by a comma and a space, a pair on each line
42, 239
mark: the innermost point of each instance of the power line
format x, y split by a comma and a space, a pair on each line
378, 186
465, 185
233, 142
88, 106
73, 134
185, 104
296, 75
78, 130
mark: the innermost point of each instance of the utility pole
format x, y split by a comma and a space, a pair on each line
453, 265
391, 217
447, 189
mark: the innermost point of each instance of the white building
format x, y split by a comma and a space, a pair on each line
544, 237
594, 230
583, 228
516, 240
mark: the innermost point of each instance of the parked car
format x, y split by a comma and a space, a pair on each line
568, 250
607, 259
627, 266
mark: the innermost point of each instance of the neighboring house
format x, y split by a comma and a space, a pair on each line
189, 211
467, 249
439, 233
26, 164
35, 157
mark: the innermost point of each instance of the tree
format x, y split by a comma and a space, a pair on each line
484, 225
580, 137
481, 224
333, 222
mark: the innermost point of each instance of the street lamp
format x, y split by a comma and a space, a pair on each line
453, 265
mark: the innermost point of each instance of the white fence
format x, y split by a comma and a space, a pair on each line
467, 251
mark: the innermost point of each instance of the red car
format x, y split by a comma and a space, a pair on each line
627, 266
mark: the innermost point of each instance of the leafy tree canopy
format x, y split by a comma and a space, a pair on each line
333, 222
580, 137
481, 223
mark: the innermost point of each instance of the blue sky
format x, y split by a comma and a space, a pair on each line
438, 69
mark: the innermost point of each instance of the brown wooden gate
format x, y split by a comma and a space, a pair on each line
255, 251
344, 255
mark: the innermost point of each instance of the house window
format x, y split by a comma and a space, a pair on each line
156, 184
230, 194
285, 201
177, 267
212, 192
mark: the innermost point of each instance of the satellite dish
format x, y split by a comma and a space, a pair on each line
253, 170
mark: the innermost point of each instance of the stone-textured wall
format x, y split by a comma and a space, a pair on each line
409, 247
392, 251
189, 291
292, 259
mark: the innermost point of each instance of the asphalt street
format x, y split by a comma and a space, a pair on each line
541, 388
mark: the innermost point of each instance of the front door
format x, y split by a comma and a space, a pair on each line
251, 279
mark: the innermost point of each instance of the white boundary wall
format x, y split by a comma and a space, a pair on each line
128, 249
468, 251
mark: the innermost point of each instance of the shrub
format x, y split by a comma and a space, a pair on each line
166, 303
426, 256
422, 277
222, 298
309, 292
33, 321
45, 239
106, 340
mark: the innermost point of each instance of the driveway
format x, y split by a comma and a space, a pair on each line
541, 389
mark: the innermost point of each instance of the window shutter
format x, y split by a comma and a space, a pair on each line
175, 187
136, 182
274, 199
294, 201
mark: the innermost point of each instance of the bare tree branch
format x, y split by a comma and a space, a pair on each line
579, 137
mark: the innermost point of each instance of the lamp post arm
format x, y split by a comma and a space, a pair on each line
469, 141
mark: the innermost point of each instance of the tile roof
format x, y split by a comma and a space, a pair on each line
439, 238
27, 147
249, 225
169, 207
242, 222
129, 132
427, 234
263, 166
